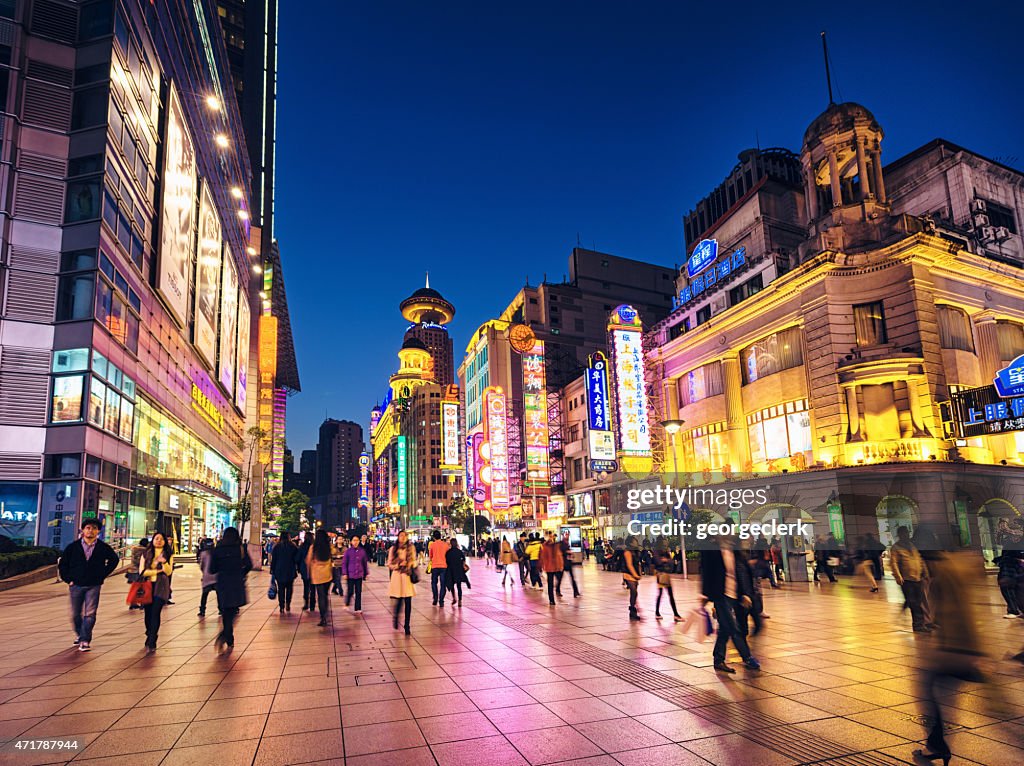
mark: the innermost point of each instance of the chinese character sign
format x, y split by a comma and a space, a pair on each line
449, 433
364, 480
634, 436
496, 435
400, 451
597, 393
535, 411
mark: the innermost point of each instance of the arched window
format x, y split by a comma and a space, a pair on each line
954, 328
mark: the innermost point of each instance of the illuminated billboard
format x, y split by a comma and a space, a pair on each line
400, 452
207, 277
600, 436
177, 211
633, 433
535, 414
228, 323
364, 480
449, 434
496, 438
244, 326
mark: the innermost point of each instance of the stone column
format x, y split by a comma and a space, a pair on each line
833, 169
670, 390
735, 417
876, 159
988, 347
811, 190
914, 400
853, 415
862, 170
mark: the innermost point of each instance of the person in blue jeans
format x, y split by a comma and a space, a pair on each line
726, 582
84, 565
355, 567
437, 550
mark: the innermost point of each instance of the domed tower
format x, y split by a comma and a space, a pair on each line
415, 368
429, 312
844, 187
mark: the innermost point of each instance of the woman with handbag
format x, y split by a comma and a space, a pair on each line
156, 565
402, 563
508, 558
455, 575
284, 567
664, 564
321, 571
230, 562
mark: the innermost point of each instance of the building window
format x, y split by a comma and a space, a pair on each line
74, 297
1010, 339
954, 328
779, 431
869, 322
701, 383
778, 352
752, 286
703, 314
707, 447
574, 432
66, 402
577, 469
1000, 215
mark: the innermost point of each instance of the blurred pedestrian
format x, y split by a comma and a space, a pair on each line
551, 562
567, 567
533, 553
723, 588
909, 570
308, 589
284, 568
230, 562
664, 565
523, 557
455, 571
337, 554
508, 558
402, 563
209, 579
318, 564
631, 573
84, 565
437, 551
156, 565
355, 567
865, 566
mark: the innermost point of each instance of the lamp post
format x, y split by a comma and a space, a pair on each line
673, 427
533, 484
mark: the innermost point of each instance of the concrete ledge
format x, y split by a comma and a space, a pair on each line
28, 578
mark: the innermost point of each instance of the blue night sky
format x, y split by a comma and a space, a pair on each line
476, 139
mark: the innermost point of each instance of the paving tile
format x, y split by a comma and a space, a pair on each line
442, 704
291, 749
457, 726
73, 724
583, 710
303, 721
230, 707
416, 756
617, 735
378, 738
373, 692
305, 700
240, 753
639, 703
556, 691
732, 749
852, 734
523, 718
375, 712
543, 746
140, 740
490, 751
503, 696
663, 755
11, 710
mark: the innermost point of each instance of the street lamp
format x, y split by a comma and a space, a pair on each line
533, 483
673, 427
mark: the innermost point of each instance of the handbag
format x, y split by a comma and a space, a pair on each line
832, 561
414, 575
272, 590
140, 593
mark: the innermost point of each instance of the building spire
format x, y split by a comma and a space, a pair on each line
828, 75
428, 280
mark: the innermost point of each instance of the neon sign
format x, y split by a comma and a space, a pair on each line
400, 451
496, 436
704, 254
535, 410
601, 440
634, 434
449, 434
1009, 381
364, 480
699, 283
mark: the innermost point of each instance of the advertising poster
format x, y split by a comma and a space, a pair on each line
228, 322
207, 277
449, 433
177, 212
242, 379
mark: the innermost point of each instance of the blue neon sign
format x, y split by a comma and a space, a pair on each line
704, 254
1009, 381
720, 272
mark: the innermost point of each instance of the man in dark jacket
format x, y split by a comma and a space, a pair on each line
726, 586
84, 565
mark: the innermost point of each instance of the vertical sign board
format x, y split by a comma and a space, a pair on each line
268, 371
228, 323
496, 435
449, 434
177, 213
599, 417
535, 411
207, 277
400, 452
634, 433
244, 324
475, 464
364, 480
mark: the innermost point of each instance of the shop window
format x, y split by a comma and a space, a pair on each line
701, 383
779, 431
1010, 339
71, 360
778, 352
97, 398
869, 323
66, 402
954, 328
707, 447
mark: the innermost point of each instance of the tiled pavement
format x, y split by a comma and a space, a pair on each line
504, 681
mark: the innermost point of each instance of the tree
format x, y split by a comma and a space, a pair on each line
288, 509
459, 512
255, 439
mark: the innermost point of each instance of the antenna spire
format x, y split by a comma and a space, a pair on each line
428, 279
828, 74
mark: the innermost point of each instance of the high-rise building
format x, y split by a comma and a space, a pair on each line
429, 312
127, 327
337, 470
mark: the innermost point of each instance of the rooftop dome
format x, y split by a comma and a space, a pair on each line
412, 342
839, 117
427, 305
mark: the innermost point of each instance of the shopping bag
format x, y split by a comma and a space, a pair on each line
140, 593
272, 590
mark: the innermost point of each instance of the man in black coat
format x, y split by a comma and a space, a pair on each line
726, 583
84, 565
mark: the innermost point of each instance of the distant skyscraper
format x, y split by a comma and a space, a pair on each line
430, 312
337, 469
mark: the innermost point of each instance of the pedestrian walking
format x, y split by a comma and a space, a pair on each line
84, 565
723, 588
230, 562
1010, 579
524, 559
156, 565
402, 563
664, 564
873, 550
308, 589
456, 569
318, 564
910, 571
586, 549
355, 567
337, 554
567, 566
284, 568
823, 560
508, 558
865, 564
209, 579
533, 552
552, 564
132, 575
631, 574
437, 552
